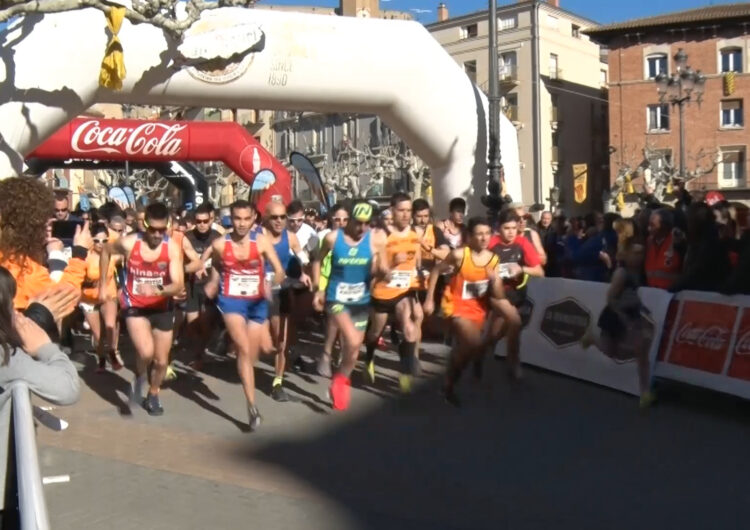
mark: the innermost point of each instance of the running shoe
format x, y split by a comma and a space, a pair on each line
115, 360
370, 370
341, 389
279, 394
101, 365
152, 405
324, 365
253, 417
450, 397
647, 399
404, 382
171, 375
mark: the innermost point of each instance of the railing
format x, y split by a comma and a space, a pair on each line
508, 73
31, 505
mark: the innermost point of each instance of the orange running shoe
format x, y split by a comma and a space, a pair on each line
341, 390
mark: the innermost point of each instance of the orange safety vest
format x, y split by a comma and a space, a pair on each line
468, 294
403, 276
663, 265
33, 278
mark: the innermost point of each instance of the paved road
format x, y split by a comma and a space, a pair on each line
549, 452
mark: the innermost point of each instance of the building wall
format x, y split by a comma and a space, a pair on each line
630, 93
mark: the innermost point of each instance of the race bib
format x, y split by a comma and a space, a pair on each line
400, 279
269, 280
244, 285
140, 283
348, 293
474, 290
504, 270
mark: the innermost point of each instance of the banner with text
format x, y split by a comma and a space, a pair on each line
706, 342
556, 316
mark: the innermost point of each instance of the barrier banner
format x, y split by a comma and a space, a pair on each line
707, 342
561, 312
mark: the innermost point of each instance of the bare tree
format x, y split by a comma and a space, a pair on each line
164, 14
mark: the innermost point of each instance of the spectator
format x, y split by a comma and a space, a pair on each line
544, 226
587, 260
527, 229
62, 207
554, 246
130, 220
725, 215
706, 260
664, 252
453, 226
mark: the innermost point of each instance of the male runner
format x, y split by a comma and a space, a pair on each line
240, 256
453, 226
153, 275
471, 289
199, 311
346, 294
286, 245
434, 245
395, 294
518, 262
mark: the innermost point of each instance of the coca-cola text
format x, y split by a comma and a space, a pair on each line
147, 139
711, 337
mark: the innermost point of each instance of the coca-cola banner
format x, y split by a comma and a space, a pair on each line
149, 141
708, 342
562, 311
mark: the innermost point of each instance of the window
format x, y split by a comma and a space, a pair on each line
554, 71
658, 118
506, 65
470, 67
510, 106
603, 77
468, 32
731, 113
656, 64
732, 167
731, 60
507, 23
575, 31
660, 160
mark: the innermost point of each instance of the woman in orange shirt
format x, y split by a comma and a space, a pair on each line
97, 313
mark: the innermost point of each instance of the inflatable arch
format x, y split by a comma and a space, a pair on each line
165, 141
284, 60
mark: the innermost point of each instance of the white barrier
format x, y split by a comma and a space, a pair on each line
707, 342
561, 311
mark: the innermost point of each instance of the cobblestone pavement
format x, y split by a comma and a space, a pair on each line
549, 452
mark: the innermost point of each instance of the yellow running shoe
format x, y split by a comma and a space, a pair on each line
171, 375
404, 381
370, 369
647, 399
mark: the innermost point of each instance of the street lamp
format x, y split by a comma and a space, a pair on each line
493, 199
679, 89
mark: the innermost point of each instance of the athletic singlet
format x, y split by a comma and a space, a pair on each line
349, 281
454, 240
403, 276
200, 243
284, 252
469, 288
139, 273
242, 279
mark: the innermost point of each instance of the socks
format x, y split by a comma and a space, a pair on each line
407, 352
277, 381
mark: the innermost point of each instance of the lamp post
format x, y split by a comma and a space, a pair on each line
679, 89
493, 200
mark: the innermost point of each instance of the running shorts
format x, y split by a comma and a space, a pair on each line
358, 314
281, 302
161, 319
389, 306
196, 301
253, 310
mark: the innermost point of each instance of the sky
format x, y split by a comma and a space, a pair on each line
602, 11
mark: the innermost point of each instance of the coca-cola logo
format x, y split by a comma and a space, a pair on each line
150, 138
711, 338
743, 344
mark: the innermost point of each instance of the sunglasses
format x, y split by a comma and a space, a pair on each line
155, 230
296, 219
202, 221
100, 240
277, 217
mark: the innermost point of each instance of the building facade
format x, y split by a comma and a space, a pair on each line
716, 42
553, 82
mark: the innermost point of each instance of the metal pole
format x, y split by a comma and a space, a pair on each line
681, 103
493, 163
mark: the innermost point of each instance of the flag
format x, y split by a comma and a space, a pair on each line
580, 182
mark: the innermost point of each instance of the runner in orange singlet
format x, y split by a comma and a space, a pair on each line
476, 281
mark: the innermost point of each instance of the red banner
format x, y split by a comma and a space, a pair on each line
148, 141
740, 363
702, 336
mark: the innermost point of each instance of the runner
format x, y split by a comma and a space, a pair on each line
395, 295
199, 311
519, 261
471, 289
346, 294
97, 313
339, 219
153, 275
453, 226
240, 256
286, 246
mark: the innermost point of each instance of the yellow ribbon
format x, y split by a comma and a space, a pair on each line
621, 201
629, 184
113, 65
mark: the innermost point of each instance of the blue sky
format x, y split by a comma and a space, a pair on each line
603, 11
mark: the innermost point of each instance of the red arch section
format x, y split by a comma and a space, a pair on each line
162, 141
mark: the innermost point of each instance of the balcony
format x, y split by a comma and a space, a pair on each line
555, 74
508, 75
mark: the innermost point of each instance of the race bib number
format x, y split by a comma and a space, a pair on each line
504, 269
348, 293
474, 290
139, 284
244, 285
400, 279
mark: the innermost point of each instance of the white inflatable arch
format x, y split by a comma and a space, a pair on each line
395, 69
